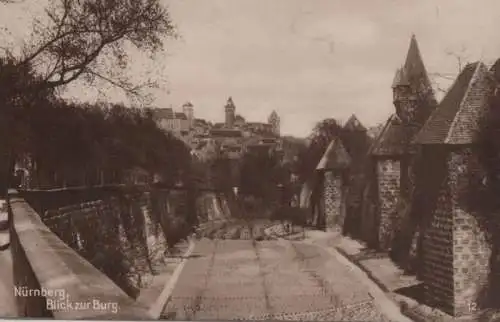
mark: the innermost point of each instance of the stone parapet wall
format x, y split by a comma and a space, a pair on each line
42, 261
389, 188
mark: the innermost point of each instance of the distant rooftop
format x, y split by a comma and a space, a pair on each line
180, 115
160, 113
226, 133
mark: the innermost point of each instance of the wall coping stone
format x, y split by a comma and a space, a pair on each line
58, 266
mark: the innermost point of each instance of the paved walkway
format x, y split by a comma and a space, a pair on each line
286, 280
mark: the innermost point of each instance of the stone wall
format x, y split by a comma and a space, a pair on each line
389, 184
437, 271
471, 248
212, 208
333, 200
123, 235
41, 260
456, 247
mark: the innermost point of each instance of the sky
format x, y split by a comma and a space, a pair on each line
308, 60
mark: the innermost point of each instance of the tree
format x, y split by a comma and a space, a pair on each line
84, 39
323, 133
78, 36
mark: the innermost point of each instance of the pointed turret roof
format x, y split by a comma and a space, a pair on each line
400, 78
230, 103
335, 157
353, 124
495, 70
456, 120
414, 68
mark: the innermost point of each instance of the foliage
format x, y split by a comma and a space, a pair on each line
323, 133
74, 144
85, 39
89, 39
260, 175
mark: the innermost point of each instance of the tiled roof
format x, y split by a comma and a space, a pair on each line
200, 121
456, 120
335, 157
166, 113
394, 139
226, 133
180, 115
353, 124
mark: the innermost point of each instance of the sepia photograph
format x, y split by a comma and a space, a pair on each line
216, 160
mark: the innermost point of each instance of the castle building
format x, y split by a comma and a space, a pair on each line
274, 121
392, 152
188, 110
176, 122
230, 111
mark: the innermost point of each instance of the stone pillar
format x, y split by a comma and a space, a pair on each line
456, 251
333, 199
389, 187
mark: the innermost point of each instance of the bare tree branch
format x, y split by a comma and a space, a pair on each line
78, 34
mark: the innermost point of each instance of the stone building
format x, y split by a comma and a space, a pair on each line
393, 155
456, 251
332, 173
230, 111
188, 110
274, 121
175, 122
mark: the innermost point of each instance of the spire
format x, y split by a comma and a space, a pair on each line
230, 103
414, 67
273, 116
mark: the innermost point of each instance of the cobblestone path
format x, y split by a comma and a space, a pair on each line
284, 280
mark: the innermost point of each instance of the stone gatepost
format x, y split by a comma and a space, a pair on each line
456, 258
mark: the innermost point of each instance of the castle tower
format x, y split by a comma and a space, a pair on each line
187, 108
230, 110
412, 88
332, 168
274, 120
392, 151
